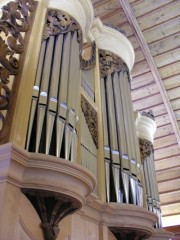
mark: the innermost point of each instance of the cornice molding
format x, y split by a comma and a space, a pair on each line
44, 172
146, 127
119, 216
80, 10
109, 39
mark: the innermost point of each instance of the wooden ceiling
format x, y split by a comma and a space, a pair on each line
153, 28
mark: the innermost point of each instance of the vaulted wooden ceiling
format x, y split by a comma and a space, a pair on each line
153, 28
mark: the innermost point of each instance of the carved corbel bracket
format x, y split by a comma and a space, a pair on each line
91, 119
129, 234
146, 148
52, 208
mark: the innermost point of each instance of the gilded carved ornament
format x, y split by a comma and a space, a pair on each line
148, 114
110, 63
91, 119
59, 22
146, 148
14, 22
91, 62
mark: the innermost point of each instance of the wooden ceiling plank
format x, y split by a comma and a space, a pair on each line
165, 45
168, 175
146, 7
157, 33
170, 197
144, 92
163, 131
169, 186
138, 70
167, 58
160, 16
174, 94
162, 120
170, 70
168, 163
148, 103
170, 210
172, 82
130, 15
167, 152
164, 141
137, 82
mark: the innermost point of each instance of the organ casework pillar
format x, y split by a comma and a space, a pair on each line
56, 92
146, 128
122, 156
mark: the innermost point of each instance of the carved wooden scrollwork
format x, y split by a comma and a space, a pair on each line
90, 63
110, 62
146, 148
60, 22
91, 119
14, 21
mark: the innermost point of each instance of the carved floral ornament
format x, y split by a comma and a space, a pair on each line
149, 114
14, 21
146, 148
59, 22
110, 63
91, 119
91, 62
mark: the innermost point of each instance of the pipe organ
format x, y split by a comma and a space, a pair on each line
146, 128
78, 129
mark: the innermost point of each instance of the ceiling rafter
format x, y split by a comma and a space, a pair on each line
138, 33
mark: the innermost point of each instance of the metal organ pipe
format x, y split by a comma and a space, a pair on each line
43, 97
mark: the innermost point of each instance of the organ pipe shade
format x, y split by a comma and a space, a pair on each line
121, 152
55, 101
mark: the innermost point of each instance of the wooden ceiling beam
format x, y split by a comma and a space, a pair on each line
138, 33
